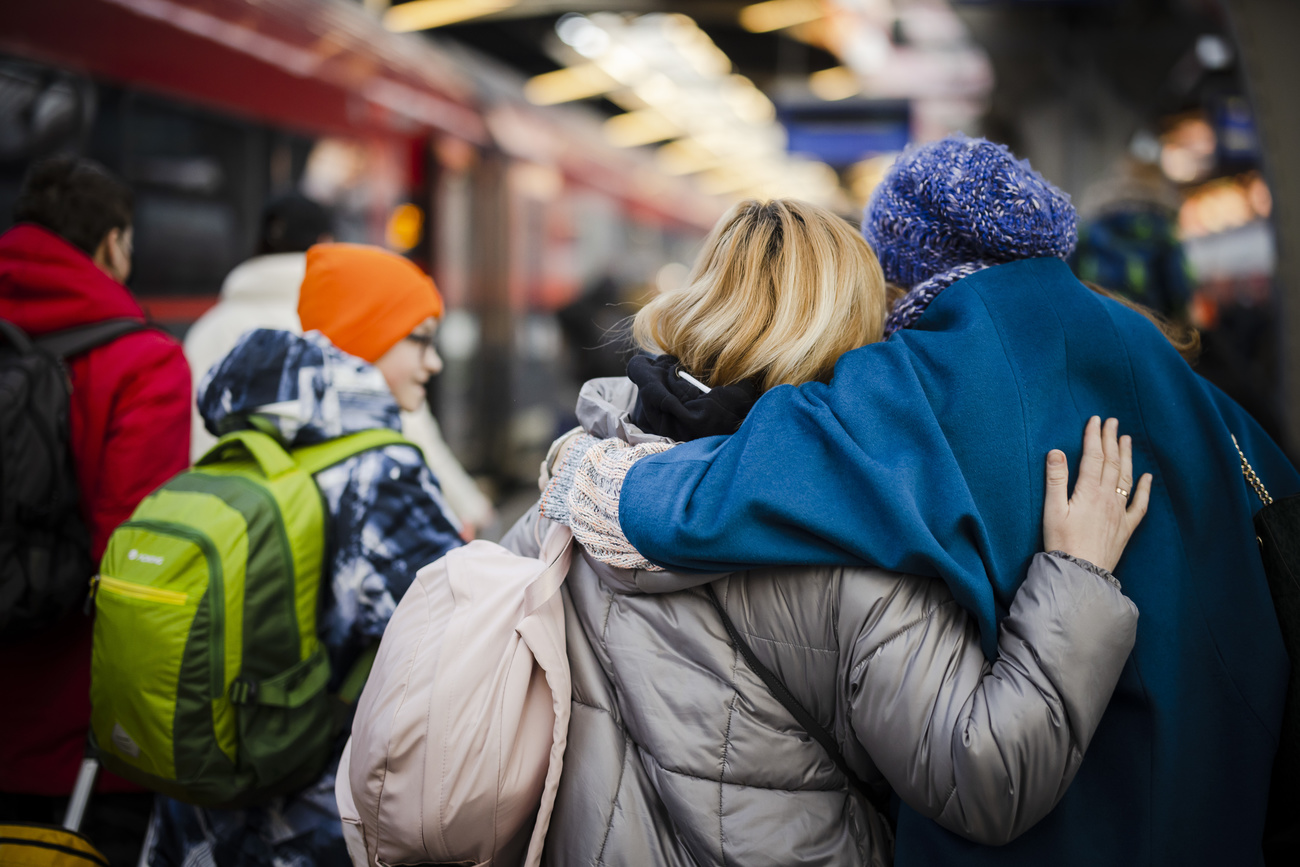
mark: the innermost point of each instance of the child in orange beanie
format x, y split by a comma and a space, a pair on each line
369, 317
377, 306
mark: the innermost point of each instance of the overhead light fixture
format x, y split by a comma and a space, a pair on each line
686, 157
748, 102
779, 14
835, 83
580, 34
639, 128
405, 225
427, 14
566, 85
722, 181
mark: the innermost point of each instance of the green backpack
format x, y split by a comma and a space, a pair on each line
207, 676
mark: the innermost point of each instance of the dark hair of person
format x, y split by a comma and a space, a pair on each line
1182, 335
76, 199
290, 224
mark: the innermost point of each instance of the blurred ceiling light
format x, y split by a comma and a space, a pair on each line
838, 82
624, 64
863, 177
566, 85
427, 14
779, 14
1224, 204
638, 128
1217, 207
686, 157
719, 182
1144, 147
867, 50
1213, 51
405, 224
748, 102
580, 34
657, 90
542, 183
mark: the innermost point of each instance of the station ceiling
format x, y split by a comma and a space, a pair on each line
521, 35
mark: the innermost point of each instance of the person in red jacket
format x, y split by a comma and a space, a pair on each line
62, 266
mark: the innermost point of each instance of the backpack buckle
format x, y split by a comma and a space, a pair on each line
243, 691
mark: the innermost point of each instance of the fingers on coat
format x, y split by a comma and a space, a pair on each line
1058, 473
1141, 498
1090, 465
1125, 462
1110, 452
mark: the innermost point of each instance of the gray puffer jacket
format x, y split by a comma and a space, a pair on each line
679, 755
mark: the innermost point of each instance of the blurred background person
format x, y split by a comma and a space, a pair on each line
261, 292
63, 266
1128, 239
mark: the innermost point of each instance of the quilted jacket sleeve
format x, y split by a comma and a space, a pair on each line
987, 749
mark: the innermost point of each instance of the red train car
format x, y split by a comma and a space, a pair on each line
207, 107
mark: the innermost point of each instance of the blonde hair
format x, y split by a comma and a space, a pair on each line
780, 291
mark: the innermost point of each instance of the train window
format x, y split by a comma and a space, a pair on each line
183, 245
199, 180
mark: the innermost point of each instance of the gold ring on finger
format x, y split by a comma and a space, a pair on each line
1123, 493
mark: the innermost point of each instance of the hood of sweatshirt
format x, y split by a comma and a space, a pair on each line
46, 284
271, 280
604, 411
300, 388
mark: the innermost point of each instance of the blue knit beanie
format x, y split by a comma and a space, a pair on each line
961, 200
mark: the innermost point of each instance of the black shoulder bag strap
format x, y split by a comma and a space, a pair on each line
778, 689
83, 338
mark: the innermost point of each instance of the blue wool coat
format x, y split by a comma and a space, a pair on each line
926, 453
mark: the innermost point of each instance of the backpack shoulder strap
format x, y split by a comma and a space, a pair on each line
315, 458
798, 711
15, 336
83, 338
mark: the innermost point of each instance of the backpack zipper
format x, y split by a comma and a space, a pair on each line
216, 594
142, 591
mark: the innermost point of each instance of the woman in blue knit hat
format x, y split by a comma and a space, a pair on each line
923, 454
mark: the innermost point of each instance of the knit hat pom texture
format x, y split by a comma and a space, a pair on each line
961, 200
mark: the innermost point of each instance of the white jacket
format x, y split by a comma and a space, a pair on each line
263, 293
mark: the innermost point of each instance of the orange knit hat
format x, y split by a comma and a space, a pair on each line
364, 299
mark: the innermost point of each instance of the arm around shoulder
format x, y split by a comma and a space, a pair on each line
988, 749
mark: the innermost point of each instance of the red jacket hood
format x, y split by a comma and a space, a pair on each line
46, 284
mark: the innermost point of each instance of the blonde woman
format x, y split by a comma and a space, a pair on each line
678, 752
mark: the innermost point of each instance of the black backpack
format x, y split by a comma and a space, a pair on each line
45, 563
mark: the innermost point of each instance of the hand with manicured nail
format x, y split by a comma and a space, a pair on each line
1095, 522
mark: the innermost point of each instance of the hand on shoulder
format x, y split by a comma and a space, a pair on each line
1095, 522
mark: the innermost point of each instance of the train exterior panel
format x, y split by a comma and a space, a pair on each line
209, 107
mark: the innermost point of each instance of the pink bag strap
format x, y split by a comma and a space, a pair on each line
557, 553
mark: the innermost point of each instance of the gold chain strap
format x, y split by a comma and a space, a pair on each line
1249, 472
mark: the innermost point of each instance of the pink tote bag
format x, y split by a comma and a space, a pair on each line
459, 736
